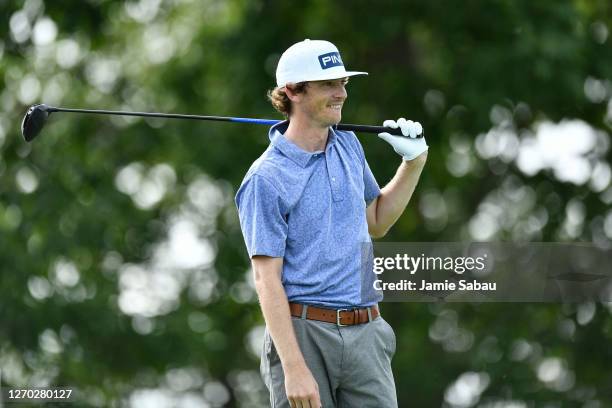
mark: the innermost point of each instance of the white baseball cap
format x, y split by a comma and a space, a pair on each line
311, 60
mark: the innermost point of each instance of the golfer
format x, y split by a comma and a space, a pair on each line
306, 208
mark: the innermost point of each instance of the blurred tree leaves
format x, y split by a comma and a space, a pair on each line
81, 246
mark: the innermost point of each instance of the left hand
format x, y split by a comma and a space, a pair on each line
408, 146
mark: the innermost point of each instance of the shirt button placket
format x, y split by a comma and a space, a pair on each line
333, 180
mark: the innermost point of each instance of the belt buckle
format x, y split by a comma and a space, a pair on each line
338, 317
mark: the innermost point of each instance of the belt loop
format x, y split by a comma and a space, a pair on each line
369, 314
304, 311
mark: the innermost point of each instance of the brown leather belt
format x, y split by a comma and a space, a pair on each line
341, 317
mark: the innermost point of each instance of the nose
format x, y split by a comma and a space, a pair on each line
340, 92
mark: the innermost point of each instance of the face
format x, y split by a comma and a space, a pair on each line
322, 102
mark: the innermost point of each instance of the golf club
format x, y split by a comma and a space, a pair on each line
36, 116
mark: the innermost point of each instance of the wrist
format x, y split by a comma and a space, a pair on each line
293, 365
418, 160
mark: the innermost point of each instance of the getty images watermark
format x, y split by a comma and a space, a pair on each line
487, 272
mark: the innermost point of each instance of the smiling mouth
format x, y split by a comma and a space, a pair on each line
335, 107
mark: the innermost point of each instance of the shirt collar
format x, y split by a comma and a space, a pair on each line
290, 149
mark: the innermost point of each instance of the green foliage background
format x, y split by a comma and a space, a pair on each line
87, 210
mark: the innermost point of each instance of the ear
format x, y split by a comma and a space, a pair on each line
291, 94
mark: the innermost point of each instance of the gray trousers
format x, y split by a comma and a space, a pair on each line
351, 364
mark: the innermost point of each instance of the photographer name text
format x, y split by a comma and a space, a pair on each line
423, 285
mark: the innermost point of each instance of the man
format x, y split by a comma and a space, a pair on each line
306, 207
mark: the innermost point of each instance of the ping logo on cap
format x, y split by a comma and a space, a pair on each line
331, 59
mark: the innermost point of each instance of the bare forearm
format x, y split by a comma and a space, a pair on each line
396, 195
275, 309
300, 385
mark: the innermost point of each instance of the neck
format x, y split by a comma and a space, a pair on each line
306, 134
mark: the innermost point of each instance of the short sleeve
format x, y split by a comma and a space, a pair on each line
371, 189
262, 217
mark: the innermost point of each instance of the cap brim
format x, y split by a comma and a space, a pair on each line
353, 73
328, 75
337, 75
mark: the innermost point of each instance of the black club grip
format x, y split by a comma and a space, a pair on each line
373, 129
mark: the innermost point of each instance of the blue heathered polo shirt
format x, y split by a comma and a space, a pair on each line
310, 209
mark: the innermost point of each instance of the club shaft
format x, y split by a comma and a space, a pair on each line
270, 122
160, 115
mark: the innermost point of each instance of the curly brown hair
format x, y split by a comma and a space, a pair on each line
279, 99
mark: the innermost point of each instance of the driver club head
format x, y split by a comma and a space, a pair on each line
34, 120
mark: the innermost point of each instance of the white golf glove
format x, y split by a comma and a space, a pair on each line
407, 146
